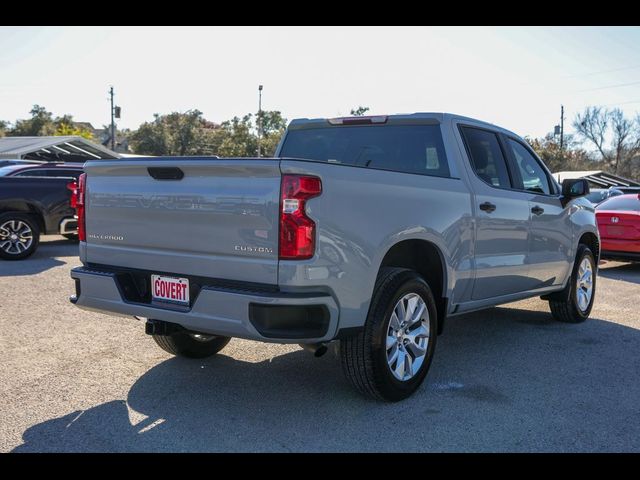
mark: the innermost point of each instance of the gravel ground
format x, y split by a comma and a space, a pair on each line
505, 379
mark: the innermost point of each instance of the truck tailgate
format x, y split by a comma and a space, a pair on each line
208, 217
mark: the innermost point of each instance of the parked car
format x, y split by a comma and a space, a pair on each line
619, 225
41, 169
35, 200
629, 189
6, 162
367, 231
598, 195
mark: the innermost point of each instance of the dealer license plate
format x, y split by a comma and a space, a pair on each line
170, 289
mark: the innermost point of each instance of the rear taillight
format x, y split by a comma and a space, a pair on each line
73, 186
297, 230
79, 195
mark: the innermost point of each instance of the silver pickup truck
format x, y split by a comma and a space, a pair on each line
367, 231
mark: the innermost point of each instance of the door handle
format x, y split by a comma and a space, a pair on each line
537, 210
487, 207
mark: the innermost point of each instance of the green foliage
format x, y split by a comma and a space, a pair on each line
569, 158
4, 126
190, 134
173, 134
273, 127
42, 123
64, 126
359, 111
236, 138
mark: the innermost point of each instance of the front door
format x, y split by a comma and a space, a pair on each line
550, 239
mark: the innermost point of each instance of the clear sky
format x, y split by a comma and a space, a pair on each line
516, 77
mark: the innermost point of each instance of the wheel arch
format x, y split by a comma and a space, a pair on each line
24, 208
592, 241
426, 258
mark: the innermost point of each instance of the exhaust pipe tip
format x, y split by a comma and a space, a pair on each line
318, 349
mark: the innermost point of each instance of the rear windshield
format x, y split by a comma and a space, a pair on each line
402, 148
625, 202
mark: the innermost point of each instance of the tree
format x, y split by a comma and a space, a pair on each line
65, 126
40, 123
4, 126
236, 138
273, 127
568, 158
358, 112
616, 138
175, 134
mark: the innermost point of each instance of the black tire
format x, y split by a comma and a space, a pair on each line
564, 305
364, 356
184, 344
72, 237
7, 253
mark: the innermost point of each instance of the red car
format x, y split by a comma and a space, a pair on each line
619, 226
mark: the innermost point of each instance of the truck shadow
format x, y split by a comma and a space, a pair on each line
48, 255
502, 380
627, 272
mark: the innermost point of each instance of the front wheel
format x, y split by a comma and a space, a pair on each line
574, 303
390, 358
185, 343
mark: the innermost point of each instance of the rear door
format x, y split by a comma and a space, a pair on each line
502, 218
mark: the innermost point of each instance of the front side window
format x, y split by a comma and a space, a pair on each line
534, 178
486, 156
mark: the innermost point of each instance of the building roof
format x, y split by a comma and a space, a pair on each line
58, 149
598, 178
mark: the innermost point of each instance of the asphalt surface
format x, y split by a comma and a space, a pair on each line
506, 379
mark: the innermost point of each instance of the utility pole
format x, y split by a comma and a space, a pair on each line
561, 127
259, 117
113, 126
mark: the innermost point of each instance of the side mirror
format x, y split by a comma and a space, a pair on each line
574, 187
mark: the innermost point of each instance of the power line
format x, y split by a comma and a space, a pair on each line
590, 74
609, 86
621, 103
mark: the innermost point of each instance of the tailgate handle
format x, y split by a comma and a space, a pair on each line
166, 173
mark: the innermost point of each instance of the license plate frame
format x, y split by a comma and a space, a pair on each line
168, 289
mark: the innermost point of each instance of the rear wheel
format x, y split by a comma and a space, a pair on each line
390, 358
185, 343
574, 303
19, 236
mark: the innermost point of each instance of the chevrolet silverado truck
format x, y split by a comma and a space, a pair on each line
34, 200
366, 231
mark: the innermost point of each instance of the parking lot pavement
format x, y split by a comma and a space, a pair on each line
506, 379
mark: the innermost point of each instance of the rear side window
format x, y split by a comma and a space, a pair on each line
486, 156
402, 148
621, 203
32, 173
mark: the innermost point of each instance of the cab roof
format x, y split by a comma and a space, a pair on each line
418, 118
